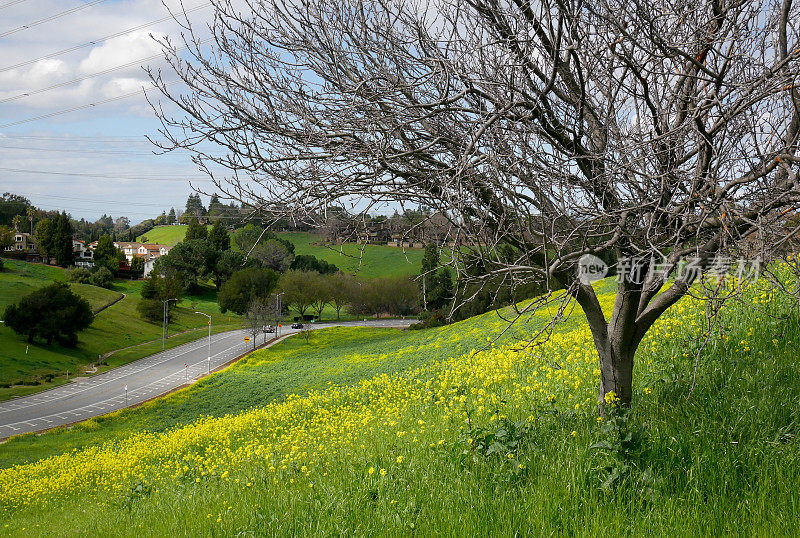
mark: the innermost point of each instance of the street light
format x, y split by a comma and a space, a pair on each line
278, 315
164, 324
209, 338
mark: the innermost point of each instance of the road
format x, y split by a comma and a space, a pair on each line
135, 382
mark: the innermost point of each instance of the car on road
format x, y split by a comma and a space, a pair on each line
269, 329
297, 325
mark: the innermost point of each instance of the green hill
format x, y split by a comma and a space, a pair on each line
414, 432
169, 235
116, 327
376, 261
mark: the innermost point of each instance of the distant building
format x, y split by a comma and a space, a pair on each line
82, 255
23, 242
147, 251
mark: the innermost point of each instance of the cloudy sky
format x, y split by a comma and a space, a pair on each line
73, 117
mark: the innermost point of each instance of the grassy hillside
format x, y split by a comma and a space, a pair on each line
116, 327
165, 235
416, 434
377, 260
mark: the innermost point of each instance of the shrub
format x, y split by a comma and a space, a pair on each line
151, 310
79, 275
102, 278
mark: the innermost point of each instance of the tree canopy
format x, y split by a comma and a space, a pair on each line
637, 131
51, 312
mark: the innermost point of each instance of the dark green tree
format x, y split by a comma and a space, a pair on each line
107, 255
227, 263
62, 240
244, 286
195, 230
192, 261
308, 262
44, 238
51, 312
171, 218
218, 236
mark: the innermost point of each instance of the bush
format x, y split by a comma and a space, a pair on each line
244, 286
79, 275
102, 278
2, 265
151, 310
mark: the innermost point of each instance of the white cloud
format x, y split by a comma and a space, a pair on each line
120, 51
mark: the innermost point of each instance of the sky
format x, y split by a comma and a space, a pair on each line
76, 141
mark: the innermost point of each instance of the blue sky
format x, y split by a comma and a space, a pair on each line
95, 160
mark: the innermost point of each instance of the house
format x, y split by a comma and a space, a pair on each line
151, 251
83, 256
129, 249
23, 242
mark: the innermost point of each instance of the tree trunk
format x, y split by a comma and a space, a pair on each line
616, 371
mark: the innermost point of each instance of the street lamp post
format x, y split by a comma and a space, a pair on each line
164, 323
278, 315
209, 338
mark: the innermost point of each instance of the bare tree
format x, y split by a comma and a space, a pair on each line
256, 318
642, 132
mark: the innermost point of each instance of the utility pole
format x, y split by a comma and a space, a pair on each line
209, 338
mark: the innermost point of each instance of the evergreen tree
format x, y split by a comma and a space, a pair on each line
171, 218
44, 238
195, 230
218, 236
107, 255
62, 240
194, 206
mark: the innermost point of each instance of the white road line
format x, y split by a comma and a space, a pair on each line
84, 387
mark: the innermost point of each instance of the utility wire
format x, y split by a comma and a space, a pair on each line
104, 176
50, 18
81, 107
99, 40
94, 151
9, 4
94, 200
69, 138
92, 75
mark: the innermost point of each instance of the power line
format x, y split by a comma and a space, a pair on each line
103, 176
94, 151
99, 40
94, 200
50, 18
81, 107
86, 77
70, 138
12, 3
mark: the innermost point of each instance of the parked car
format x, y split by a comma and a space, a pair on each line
269, 329
297, 325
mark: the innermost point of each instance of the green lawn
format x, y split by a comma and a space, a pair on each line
116, 327
169, 235
375, 261
381, 432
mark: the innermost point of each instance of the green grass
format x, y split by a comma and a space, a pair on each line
169, 235
116, 327
722, 459
376, 261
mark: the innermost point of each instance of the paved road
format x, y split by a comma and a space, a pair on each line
144, 379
